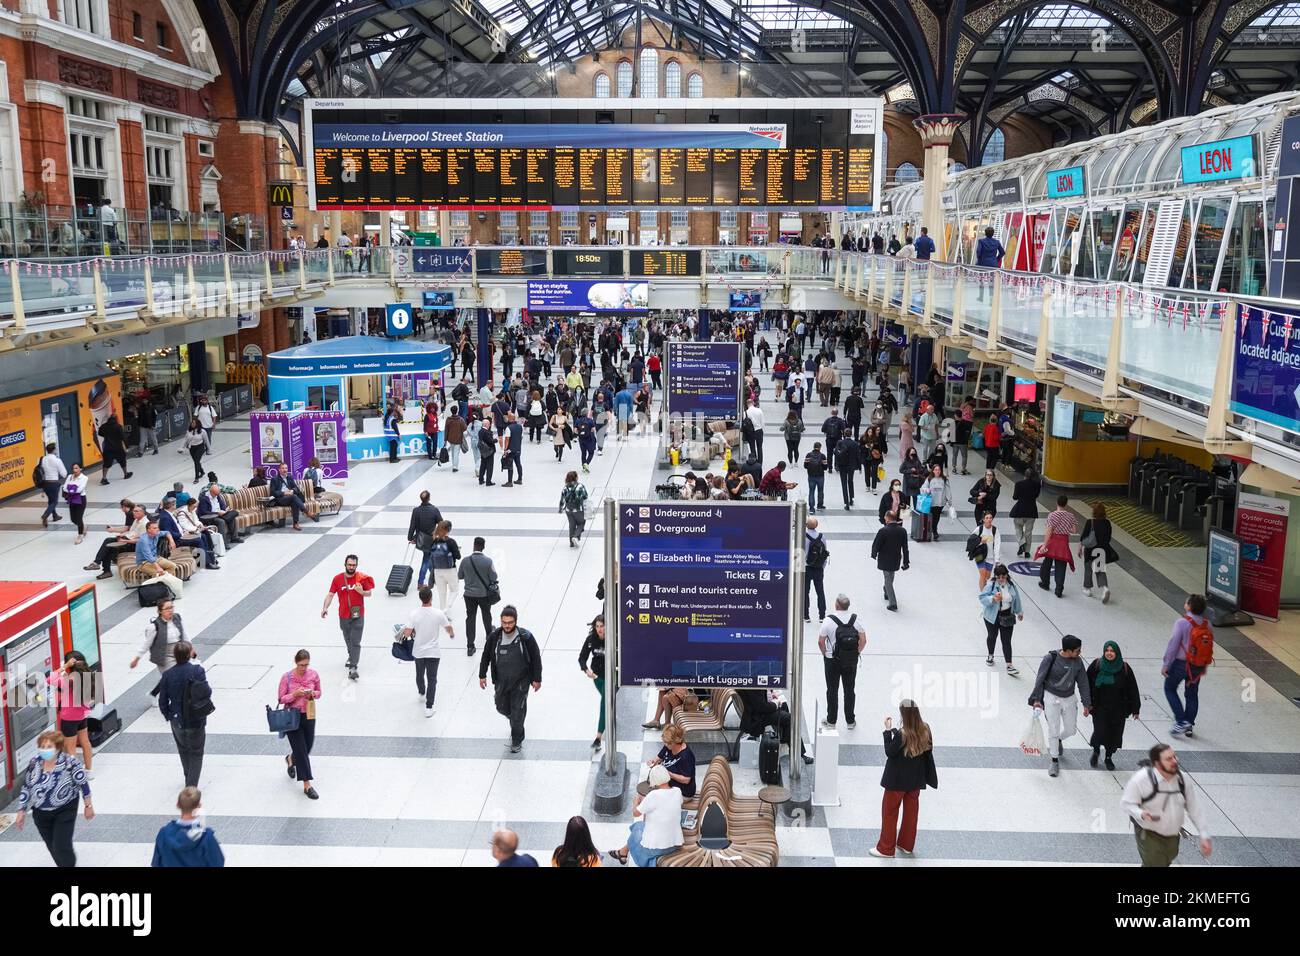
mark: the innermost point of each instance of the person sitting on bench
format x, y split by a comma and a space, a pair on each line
123, 539
286, 493
760, 712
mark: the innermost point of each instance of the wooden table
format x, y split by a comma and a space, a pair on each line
644, 787
773, 795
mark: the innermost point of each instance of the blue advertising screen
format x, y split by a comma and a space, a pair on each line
745, 301
1266, 369
437, 299
85, 626
704, 593
1223, 568
579, 295
1062, 183
1223, 159
703, 378
429, 259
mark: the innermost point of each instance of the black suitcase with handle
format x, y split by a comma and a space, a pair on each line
399, 578
769, 757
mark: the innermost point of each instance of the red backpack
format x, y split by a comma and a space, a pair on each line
1200, 642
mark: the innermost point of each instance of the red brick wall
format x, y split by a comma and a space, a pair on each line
151, 13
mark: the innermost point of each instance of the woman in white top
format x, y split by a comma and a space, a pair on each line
196, 443
936, 486
74, 493
187, 519
659, 831
992, 542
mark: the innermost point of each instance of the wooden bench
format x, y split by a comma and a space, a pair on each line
750, 830
714, 720
132, 575
250, 512
321, 502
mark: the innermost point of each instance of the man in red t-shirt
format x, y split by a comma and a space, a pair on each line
352, 588
992, 443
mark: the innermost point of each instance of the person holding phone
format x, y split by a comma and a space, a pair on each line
353, 588
74, 692
299, 690
909, 769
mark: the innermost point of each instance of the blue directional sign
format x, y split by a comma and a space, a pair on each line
704, 593
703, 378
438, 259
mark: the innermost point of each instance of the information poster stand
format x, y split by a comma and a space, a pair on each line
703, 383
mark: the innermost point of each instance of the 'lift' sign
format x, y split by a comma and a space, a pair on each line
1065, 182
1220, 160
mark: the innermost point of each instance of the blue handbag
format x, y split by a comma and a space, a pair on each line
402, 649
923, 503
282, 720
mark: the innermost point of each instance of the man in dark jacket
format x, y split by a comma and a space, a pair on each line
853, 406
146, 419
1025, 510
510, 458
890, 551
112, 446
188, 719
424, 521
988, 251
287, 494
215, 511
834, 428
847, 460
512, 655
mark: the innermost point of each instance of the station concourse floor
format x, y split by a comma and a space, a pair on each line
399, 789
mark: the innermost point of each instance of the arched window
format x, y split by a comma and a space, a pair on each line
624, 79
695, 86
906, 173
649, 72
602, 86
673, 79
995, 150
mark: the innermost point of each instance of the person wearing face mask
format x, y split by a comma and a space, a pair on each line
893, 500
53, 784
187, 842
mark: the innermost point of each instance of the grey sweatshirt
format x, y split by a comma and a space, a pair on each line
1060, 676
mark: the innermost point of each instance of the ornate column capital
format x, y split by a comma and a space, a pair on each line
938, 129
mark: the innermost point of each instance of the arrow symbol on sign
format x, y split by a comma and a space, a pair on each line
630, 556
629, 618
629, 527
628, 588
630, 603
779, 575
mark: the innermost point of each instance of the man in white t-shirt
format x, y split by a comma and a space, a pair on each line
207, 416
840, 655
754, 439
426, 625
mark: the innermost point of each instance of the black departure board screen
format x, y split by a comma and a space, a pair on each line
751, 172
587, 262
755, 153
510, 262
665, 262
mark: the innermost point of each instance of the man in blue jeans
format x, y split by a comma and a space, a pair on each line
814, 465
1177, 670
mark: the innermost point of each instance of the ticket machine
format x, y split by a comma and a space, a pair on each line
29, 650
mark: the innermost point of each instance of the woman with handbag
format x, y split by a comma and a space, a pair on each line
937, 487
991, 545
913, 471
559, 425
984, 495
299, 691
893, 500
1096, 550
591, 661
74, 493
1001, 607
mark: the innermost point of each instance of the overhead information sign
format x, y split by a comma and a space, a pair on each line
665, 262
703, 378
1062, 183
704, 593
1223, 159
587, 262
1266, 370
429, 259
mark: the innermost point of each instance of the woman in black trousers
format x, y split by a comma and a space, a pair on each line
52, 785
196, 442
299, 690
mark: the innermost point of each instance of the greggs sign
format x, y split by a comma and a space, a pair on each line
1065, 182
1224, 159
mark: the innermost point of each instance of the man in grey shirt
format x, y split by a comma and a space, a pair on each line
479, 576
1059, 674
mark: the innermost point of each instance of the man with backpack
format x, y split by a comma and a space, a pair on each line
841, 640
1159, 799
1059, 673
848, 458
185, 699
834, 428
1189, 653
816, 554
512, 655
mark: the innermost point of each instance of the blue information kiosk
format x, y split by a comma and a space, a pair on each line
359, 375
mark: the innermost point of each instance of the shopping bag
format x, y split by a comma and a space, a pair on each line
923, 503
1034, 741
951, 511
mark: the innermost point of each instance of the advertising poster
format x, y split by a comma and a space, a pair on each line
267, 431
1266, 367
576, 295
69, 417
1223, 568
325, 438
1261, 529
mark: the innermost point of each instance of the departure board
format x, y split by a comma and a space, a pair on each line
591, 177
645, 177
587, 262
751, 166
510, 262
564, 154
805, 177
699, 178
665, 262
726, 176
618, 177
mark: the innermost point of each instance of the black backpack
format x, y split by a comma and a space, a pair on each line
747, 427
197, 704
845, 649
817, 552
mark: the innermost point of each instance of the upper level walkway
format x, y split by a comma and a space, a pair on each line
1166, 356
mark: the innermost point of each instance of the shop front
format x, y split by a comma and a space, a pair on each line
361, 376
1085, 445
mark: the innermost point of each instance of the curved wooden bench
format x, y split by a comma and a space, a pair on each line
321, 502
250, 513
752, 832
132, 575
721, 700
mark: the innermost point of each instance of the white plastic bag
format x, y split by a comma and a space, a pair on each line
1034, 741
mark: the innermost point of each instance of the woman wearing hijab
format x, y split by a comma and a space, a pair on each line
1114, 699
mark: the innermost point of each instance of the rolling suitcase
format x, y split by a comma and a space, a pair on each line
151, 592
920, 526
769, 757
399, 578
